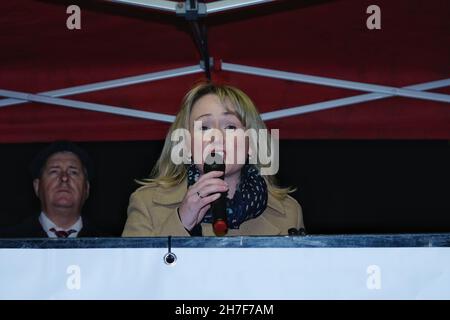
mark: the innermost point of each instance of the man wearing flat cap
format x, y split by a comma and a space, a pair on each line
61, 174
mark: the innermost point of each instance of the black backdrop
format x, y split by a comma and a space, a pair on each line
343, 186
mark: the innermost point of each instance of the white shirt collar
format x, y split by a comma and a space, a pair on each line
47, 224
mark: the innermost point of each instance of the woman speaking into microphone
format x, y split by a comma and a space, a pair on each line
181, 198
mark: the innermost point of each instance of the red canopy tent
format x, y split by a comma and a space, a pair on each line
294, 57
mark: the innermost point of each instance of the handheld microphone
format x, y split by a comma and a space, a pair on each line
215, 162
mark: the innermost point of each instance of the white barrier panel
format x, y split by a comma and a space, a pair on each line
226, 273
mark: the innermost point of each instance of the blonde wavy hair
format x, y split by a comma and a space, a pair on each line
166, 174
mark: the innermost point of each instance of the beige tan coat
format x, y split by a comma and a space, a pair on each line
153, 212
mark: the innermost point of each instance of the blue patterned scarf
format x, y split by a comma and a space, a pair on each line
249, 200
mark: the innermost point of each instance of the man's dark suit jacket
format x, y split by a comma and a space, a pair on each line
31, 228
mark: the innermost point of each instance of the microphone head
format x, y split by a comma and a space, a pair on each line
214, 162
220, 227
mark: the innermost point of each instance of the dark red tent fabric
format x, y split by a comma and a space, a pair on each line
324, 38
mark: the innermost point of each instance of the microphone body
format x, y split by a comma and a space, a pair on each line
218, 206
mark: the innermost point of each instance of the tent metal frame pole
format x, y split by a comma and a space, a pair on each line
218, 6
298, 77
172, 6
193, 11
331, 104
88, 106
117, 83
273, 115
162, 5
50, 97
200, 35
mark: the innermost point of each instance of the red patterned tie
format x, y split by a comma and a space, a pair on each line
62, 233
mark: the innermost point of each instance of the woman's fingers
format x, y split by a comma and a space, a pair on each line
199, 196
207, 200
212, 174
193, 209
207, 187
206, 205
211, 189
211, 181
202, 213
